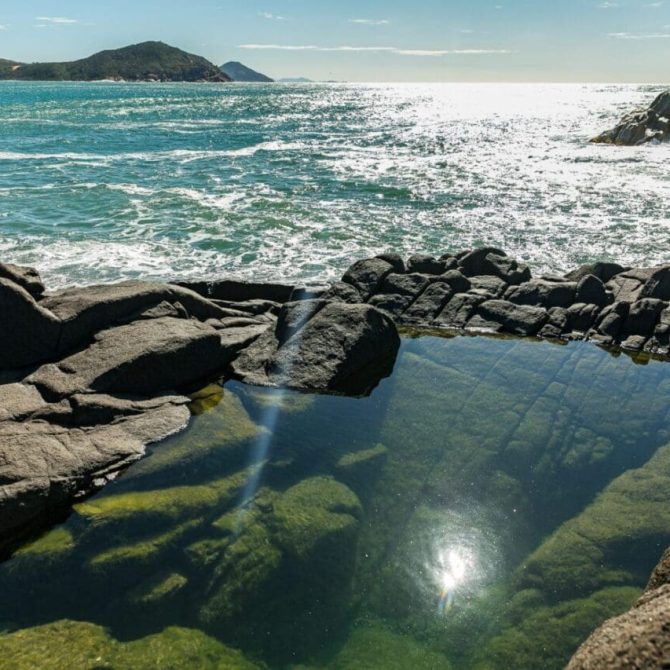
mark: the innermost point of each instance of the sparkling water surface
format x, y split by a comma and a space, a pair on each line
100, 181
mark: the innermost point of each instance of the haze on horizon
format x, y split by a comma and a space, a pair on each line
366, 40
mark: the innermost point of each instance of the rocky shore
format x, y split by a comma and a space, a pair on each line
90, 376
641, 126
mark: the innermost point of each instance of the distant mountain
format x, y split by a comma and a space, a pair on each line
148, 61
239, 72
295, 80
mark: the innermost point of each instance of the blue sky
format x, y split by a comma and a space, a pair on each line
366, 40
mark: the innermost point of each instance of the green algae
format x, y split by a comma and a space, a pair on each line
314, 510
55, 542
141, 554
546, 637
630, 517
70, 644
373, 646
163, 505
205, 399
158, 589
221, 434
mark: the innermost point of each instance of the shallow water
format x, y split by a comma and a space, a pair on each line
486, 507
101, 181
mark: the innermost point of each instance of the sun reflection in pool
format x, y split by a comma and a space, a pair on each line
452, 569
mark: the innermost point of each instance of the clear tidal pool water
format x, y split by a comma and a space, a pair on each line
487, 506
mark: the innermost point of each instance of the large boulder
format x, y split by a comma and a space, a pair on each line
543, 293
640, 638
602, 270
367, 275
340, 348
517, 319
44, 466
86, 311
492, 261
29, 333
144, 357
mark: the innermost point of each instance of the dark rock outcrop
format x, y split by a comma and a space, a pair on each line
480, 290
641, 126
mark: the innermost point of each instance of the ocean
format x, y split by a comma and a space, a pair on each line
105, 181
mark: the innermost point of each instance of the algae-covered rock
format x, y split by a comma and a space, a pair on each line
374, 647
205, 399
316, 511
220, 435
55, 542
359, 469
163, 505
158, 589
64, 645
547, 636
144, 555
615, 540
292, 553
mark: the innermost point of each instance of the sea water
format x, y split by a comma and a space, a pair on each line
489, 505
103, 181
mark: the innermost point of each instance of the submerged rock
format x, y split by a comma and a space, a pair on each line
69, 644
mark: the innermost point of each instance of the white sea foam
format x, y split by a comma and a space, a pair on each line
298, 183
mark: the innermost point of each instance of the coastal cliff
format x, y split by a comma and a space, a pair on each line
148, 61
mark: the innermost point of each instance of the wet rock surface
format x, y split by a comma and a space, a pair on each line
641, 126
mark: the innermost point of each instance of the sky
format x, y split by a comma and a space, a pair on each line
365, 40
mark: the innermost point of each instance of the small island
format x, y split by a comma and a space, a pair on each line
240, 72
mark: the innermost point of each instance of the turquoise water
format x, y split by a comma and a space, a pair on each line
485, 508
100, 182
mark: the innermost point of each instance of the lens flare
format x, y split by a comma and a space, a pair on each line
452, 570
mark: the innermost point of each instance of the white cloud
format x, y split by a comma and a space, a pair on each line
392, 50
55, 20
4, 26
370, 22
640, 36
271, 17
451, 52
607, 5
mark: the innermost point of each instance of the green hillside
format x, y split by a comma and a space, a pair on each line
148, 61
